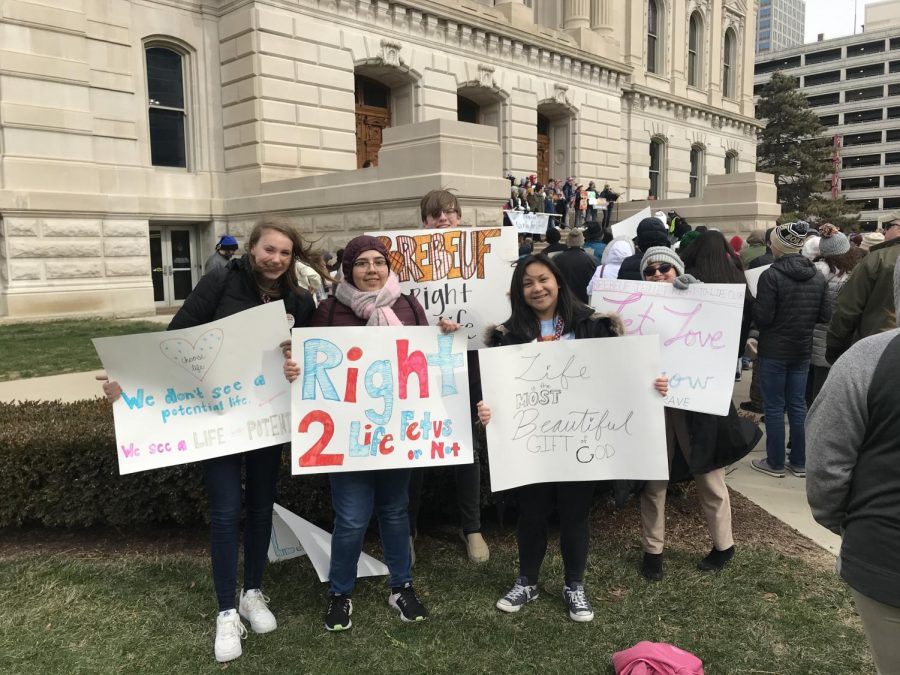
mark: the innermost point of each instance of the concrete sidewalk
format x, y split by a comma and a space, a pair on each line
784, 498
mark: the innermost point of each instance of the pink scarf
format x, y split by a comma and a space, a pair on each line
373, 306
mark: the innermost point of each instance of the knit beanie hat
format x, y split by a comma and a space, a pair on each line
358, 246
228, 242
810, 249
688, 239
871, 239
833, 242
662, 254
736, 243
575, 238
788, 239
651, 232
552, 235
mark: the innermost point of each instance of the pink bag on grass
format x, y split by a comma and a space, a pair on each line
656, 658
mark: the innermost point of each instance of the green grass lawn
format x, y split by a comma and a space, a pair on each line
83, 611
54, 347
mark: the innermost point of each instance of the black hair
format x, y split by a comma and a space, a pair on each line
523, 322
711, 259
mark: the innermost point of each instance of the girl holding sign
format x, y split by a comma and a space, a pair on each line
707, 443
544, 309
263, 274
368, 295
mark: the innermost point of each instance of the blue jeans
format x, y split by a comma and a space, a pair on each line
353, 495
783, 385
222, 477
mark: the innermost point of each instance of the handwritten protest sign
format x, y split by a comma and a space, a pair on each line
201, 392
699, 331
574, 410
753, 278
379, 398
460, 274
531, 223
628, 226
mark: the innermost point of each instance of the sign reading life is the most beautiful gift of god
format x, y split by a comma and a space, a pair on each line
698, 328
200, 392
379, 398
460, 274
574, 410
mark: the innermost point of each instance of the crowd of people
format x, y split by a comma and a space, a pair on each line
821, 296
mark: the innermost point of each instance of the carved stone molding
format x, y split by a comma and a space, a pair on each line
390, 53
485, 75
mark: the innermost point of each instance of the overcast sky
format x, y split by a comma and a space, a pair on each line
833, 17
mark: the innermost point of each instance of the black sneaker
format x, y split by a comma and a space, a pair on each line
652, 567
749, 407
716, 560
577, 603
337, 615
521, 593
404, 600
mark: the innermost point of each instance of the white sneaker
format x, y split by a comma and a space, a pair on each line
229, 633
253, 607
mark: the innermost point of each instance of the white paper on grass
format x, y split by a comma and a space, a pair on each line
461, 274
574, 410
699, 330
753, 278
292, 536
379, 398
196, 393
628, 226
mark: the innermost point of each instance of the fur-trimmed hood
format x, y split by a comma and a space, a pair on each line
497, 335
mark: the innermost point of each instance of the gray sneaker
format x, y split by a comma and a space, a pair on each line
762, 465
798, 471
520, 594
577, 603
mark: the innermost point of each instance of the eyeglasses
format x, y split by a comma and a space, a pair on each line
890, 225
447, 212
662, 268
377, 263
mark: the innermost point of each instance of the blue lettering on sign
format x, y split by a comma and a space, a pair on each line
314, 371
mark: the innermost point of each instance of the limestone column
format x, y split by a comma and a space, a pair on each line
577, 14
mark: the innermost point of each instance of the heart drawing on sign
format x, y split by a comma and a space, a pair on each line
196, 358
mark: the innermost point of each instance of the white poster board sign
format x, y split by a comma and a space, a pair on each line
574, 410
530, 223
460, 274
201, 392
628, 226
753, 278
293, 536
373, 398
699, 331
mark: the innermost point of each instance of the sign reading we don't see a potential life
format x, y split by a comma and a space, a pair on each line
201, 392
699, 331
461, 274
379, 398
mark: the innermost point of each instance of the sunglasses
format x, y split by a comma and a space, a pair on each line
662, 268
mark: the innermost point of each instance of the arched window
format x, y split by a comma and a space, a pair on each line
731, 161
467, 110
167, 110
728, 64
654, 60
696, 171
657, 164
695, 50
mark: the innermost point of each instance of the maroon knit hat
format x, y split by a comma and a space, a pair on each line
356, 247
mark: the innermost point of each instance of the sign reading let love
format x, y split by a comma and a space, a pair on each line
202, 392
379, 398
699, 331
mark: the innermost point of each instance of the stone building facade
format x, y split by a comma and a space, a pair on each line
133, 133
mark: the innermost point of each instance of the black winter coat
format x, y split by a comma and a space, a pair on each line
631, 268
765, 259
791, 299
232, 289
577, 267
587, 324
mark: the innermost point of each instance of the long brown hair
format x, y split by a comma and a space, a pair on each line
845, 262
300, 250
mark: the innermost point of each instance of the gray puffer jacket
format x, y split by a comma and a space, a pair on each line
835, 282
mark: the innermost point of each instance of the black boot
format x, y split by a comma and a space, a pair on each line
716, 560
652, 567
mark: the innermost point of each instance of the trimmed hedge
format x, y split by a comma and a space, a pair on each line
58, 468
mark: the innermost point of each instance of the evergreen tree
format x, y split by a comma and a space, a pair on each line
793, 148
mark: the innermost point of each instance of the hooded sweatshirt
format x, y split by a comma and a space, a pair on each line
613, 255
790, 301
853, 462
